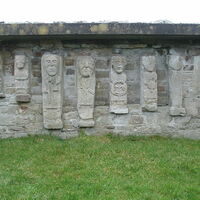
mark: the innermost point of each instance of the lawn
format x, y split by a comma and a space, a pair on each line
99, 168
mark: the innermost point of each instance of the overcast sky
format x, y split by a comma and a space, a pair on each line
176, 11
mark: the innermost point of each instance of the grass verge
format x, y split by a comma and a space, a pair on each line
99, 168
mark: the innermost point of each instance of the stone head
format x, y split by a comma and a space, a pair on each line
118, 63
20, 61
51, 62
86, 66
175, 62
148, 63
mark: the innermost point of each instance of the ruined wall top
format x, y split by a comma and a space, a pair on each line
103, 30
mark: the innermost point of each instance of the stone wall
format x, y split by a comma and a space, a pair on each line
128, 89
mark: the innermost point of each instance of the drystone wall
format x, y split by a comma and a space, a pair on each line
56, 87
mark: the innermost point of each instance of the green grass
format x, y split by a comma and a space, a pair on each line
99, 168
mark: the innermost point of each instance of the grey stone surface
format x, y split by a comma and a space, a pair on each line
190, 85
176, 85
105, 29
86, 83
118, 85
148, 77
26, 118
22, 78
2, 94
52, 90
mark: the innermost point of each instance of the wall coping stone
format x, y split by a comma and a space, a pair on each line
112, 30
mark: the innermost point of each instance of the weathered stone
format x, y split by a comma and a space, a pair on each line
136, 119
190, 84
2, 94
102, 74
118, 85
23, 98
52, 91
17, 120
101, 63
175, 63
22, 78
148, 77
69, 62
86, 82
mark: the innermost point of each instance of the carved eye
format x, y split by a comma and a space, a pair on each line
48, 61
54, 61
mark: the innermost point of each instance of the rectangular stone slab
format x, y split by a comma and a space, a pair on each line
148, 78
2, 94
86, 82
22, 78
118, 85
175, 63
52, 90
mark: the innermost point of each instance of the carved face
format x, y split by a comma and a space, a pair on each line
20, 62
119, 68
51, 63
118, 63
86, 67
86, 71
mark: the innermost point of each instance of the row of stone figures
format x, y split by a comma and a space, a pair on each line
52, 86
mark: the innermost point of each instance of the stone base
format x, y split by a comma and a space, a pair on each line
135, 122
53, 125
174, 111
84, 123
150, 108
23, 98
2, 95
119, 110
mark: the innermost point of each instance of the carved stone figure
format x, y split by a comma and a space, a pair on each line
175, 85
22, 78
2, 94
52, 90
118, 85
190, 85
86, 82
148, 76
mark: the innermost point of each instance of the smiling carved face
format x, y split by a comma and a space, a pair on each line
51, 63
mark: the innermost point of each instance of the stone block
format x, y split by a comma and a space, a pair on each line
136, 119
102, 74
148, 77
175, 63
101, 63
2, 94
86, 82
69, 62
23, 98
52, 90
22, 78
118, 86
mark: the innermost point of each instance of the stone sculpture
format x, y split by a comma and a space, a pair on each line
148, 77
52, 90
86, 82
190, 84
22, 78
175, 63
118, 86
2, 94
